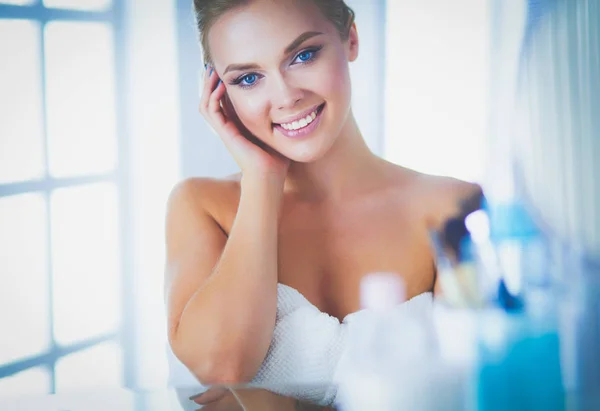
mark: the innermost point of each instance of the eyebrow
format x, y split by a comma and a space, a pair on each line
293, 45
301, 39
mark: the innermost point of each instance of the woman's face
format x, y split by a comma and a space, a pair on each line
285, 68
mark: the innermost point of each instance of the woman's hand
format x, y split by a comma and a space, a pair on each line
254, 157
228, 399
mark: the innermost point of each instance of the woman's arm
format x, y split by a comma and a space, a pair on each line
221, 292
254, 399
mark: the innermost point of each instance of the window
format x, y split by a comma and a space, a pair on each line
436, 85
64, 238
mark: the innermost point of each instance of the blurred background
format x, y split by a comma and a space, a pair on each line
98, 120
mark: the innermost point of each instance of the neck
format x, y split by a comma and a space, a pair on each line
347, 165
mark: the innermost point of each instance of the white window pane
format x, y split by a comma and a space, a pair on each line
436, 86
99, 366
24, 318
85, 262
80, 98
17, 2
79, 4
21, 142
35, 381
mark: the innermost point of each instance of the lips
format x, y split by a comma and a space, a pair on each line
303, 124
307, 115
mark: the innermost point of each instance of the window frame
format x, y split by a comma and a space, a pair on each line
120, 177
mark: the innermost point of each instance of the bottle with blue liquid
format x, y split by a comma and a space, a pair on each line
543, 151
519, 362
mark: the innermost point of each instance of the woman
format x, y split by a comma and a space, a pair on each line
312, 208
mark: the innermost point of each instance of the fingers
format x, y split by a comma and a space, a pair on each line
206, 90
214, 102
210, 102
209, 396
221, 400
210, 82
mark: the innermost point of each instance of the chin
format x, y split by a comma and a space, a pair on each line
305, 157
308, 154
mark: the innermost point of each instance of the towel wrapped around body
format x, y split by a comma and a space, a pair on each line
307, 349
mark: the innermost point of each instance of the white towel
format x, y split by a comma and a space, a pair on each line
306, 347
304, 358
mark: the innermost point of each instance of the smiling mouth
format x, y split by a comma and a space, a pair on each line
302, 122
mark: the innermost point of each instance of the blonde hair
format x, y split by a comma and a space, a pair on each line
208, 11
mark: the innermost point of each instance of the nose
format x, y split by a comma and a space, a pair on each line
287, 95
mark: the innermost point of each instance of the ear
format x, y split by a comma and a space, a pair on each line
352, 43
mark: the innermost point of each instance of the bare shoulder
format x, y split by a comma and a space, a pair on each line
447, 187
445, 196
429, 184
202, 195
205, 188
437, 197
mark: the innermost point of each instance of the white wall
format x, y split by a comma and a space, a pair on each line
153, 119
202, 152
436, 85
368, 71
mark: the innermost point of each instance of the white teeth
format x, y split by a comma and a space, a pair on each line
303, 122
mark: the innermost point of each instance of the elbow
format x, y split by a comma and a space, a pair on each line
212, 367
221, 373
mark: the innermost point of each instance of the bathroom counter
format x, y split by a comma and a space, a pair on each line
120, 399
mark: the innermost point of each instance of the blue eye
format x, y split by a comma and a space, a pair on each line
249, 79
305, 55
